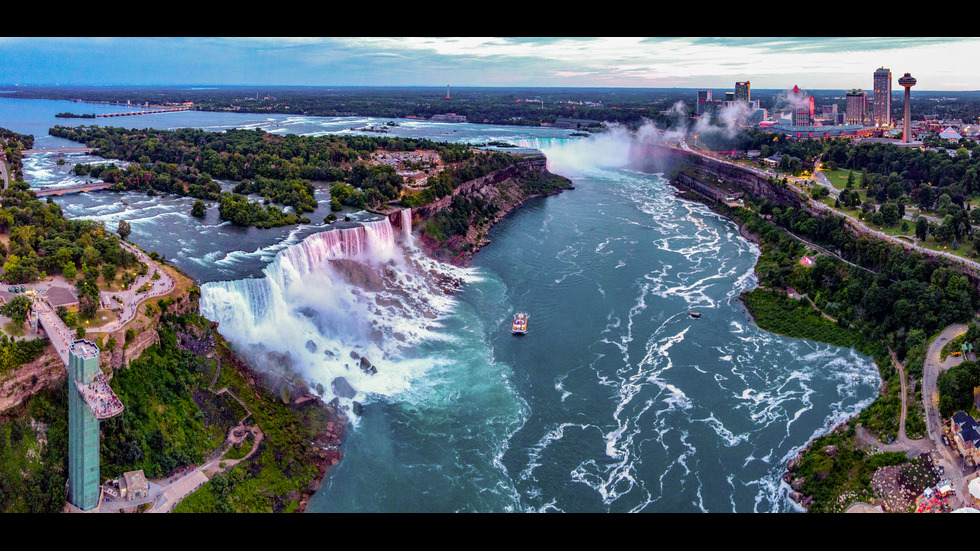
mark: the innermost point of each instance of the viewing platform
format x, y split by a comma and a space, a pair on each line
90, 382
99, 397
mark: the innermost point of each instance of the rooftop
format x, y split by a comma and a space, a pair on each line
84, 349
61, 296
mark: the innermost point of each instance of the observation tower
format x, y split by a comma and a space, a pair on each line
908, 82
89, 401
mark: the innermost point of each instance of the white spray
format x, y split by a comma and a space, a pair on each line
337, 296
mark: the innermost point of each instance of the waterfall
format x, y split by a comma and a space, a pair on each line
577, 156
407, 227
337, 292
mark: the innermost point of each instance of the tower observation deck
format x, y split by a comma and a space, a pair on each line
907, 82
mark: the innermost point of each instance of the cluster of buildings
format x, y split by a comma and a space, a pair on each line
415, 167
795, 113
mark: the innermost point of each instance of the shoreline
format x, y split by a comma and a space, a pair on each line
483, 239
798, 501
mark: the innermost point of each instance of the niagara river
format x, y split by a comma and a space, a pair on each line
616, 400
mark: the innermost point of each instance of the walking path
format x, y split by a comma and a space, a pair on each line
165, 493
132, 298
954, 468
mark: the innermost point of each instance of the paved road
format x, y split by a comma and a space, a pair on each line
850, 219
930, 395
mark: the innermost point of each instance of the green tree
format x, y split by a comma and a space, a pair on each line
921, 228
943, 202
889, 213
109, 272
124, 229
198, 209
17, 308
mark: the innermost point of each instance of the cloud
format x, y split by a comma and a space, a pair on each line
689, 62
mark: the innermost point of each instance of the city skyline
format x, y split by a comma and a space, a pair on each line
674, 62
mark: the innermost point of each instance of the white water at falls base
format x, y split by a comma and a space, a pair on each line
333, 298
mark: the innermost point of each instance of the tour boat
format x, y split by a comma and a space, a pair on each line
520, 324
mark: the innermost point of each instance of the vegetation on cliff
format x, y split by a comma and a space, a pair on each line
462, 226
172, 419
868, 294
34, 453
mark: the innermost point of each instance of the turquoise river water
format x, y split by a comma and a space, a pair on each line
615, 401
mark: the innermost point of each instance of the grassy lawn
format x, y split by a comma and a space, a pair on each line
839, 177
965, 249
102, 317
14, 330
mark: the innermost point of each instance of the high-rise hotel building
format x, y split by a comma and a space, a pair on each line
704, 101
743, 92
881, 114
857, 107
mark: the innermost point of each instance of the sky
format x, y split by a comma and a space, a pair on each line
645, 62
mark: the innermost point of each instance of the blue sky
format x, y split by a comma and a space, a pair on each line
768, 62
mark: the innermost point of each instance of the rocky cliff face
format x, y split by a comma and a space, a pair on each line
486, 187
655, 158
16, 386
505, 189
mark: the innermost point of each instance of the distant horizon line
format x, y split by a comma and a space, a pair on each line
896, 89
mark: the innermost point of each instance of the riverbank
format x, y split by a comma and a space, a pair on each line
452, 229
829, 470
886, 454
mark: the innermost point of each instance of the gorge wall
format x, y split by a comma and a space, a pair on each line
653, 158
657, 158
504, 188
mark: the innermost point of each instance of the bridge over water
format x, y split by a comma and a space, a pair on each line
61, 150
81, 188
144, 112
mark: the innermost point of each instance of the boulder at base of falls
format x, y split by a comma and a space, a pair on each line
357, 408
367, 367
342, 388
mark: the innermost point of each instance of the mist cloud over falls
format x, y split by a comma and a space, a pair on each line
619, 147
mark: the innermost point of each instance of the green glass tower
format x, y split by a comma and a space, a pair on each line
83, 427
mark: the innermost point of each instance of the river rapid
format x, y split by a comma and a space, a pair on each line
617, 400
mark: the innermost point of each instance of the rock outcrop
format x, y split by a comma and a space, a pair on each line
504, 188
30, 378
